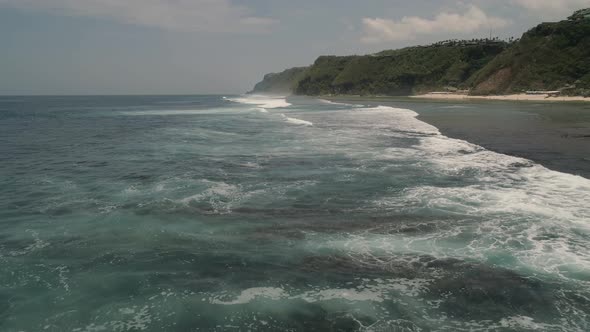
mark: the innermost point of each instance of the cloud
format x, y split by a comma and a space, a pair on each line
552, 8
178, 15
378, 30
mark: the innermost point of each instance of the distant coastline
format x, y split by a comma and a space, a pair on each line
522, 97
511, 97
550, 61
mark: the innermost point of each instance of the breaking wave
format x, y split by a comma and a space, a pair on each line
262, 101
296, 121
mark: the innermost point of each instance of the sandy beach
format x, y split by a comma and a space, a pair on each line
514, 97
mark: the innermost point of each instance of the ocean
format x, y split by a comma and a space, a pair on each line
252, 213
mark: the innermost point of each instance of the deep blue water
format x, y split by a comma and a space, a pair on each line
205, 213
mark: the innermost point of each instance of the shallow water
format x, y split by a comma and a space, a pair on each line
251, 213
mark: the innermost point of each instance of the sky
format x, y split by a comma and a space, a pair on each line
72, 47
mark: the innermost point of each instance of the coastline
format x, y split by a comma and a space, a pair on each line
554, 134
513, 97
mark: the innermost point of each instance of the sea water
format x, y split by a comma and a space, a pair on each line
237, 213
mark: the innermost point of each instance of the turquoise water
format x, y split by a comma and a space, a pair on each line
205, 213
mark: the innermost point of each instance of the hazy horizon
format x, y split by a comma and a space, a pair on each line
164, 47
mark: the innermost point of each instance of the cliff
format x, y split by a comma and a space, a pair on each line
551, 56
280, 83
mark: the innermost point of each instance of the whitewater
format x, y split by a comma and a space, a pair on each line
273, 213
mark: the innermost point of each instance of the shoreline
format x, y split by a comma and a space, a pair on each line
512, 97
555, 134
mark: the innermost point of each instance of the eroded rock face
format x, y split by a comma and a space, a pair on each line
496, 83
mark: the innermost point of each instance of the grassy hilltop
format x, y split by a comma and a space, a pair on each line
550, 56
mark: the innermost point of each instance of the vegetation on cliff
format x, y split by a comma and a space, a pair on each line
400, 72
551, 56
284, 82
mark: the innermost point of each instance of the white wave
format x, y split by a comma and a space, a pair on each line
63, 280
331, 102
503, 205
371, 290
260, 109
262, 101
252, 165
297, 121
339, 104
131, 190
221, 196
216, 190
248, 295
403, 121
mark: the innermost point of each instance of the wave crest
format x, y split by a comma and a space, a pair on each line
261, 101
296, 121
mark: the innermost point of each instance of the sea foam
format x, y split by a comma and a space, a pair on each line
296, 121
524, 210
267, 102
